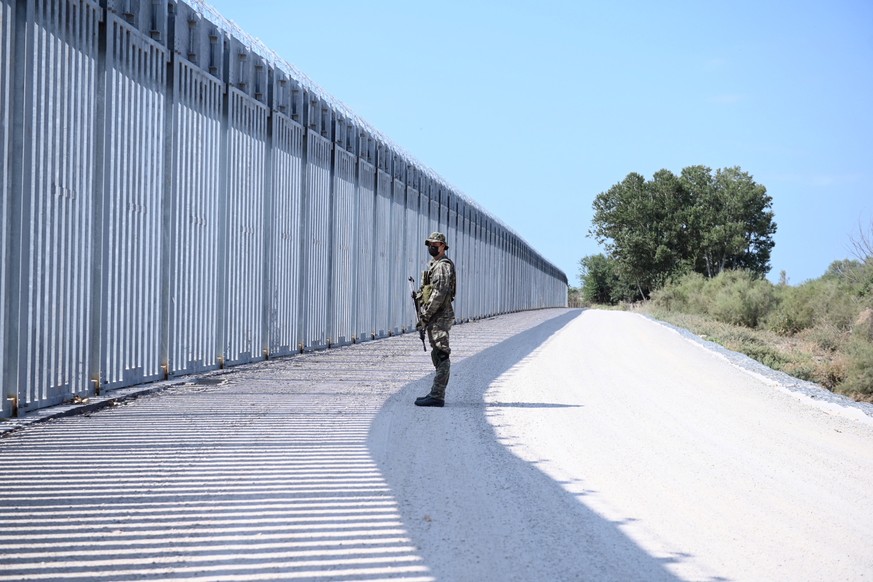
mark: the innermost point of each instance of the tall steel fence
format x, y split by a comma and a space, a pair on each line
177, 198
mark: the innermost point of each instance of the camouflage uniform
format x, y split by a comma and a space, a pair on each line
439, 316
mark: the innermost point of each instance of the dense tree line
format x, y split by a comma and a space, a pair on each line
654, 230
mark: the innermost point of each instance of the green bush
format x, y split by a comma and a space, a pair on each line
859, 367
684, 294
740, 298
835, 306
735, 297
859, 360
794, 310
831, 301
855, 278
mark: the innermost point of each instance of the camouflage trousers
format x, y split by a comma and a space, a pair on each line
438, 334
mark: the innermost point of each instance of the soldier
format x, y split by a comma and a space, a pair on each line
437, 316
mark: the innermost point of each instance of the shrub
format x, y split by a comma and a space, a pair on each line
740, 298
575, 298
764, 354
859, 367
684, 294
602, 281
828, 301
859, 356
735, 297
827, 336
804, 368
854, 277
794, 310
834, 305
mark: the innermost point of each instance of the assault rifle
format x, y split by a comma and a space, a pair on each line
417, 312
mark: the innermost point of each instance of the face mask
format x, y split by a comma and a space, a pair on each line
433, 250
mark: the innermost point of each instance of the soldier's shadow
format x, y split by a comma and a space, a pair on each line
473, 509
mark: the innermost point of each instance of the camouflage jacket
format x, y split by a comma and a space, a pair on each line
440, 275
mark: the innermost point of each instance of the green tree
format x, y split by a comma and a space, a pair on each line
641, 226
601, 281
699, 215
574, 297
729, 219
658, 229
741, 236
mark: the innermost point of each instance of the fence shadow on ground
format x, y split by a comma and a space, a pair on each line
263, 476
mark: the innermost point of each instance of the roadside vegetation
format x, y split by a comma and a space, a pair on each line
700, 264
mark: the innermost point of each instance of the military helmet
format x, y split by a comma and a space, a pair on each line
436, 237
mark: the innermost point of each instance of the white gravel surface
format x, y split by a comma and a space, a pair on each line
575, 445
620, 450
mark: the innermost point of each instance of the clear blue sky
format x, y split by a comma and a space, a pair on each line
534, 108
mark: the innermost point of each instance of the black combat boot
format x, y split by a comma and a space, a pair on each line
430, 400
437, 396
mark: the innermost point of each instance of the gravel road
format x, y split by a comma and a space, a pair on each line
575, 445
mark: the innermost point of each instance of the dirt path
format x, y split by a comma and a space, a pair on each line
621, 450
574, 445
